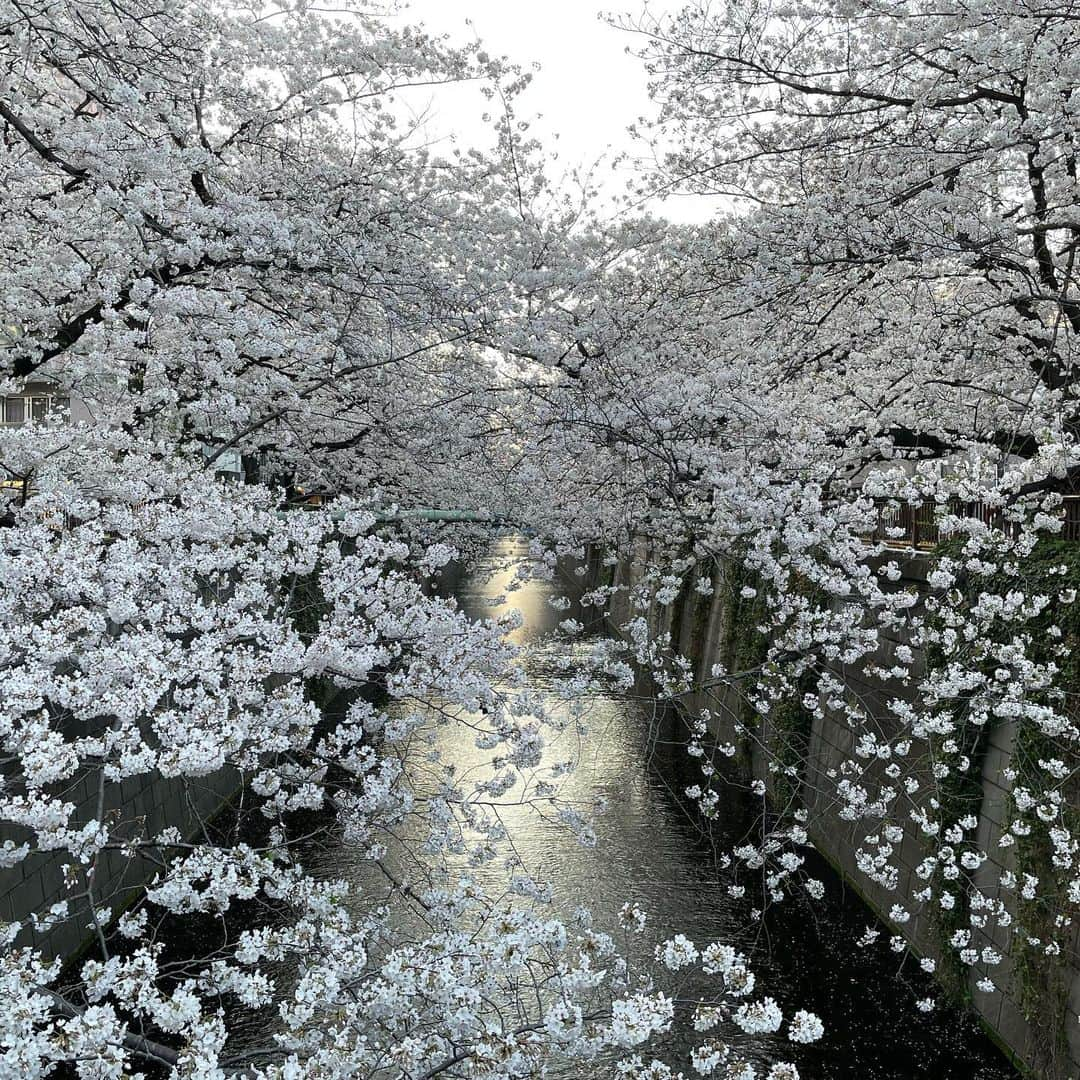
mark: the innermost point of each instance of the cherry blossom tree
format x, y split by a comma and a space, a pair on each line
879, 322
219, 236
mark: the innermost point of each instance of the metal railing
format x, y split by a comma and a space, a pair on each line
910, 526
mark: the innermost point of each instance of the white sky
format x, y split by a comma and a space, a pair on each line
587, 89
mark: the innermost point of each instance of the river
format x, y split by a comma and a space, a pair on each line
652, 850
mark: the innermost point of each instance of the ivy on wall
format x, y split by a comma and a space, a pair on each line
784, 732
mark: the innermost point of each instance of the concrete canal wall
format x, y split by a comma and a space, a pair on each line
1033, 1014
138, 808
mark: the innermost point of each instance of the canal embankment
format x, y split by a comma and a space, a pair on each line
1033, 1012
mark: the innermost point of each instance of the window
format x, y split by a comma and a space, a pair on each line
18, 409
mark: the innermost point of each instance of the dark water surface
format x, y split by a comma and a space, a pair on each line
652, 851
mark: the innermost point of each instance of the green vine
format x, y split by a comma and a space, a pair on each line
789, 744
745, 648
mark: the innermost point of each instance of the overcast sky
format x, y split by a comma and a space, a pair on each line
587, 88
